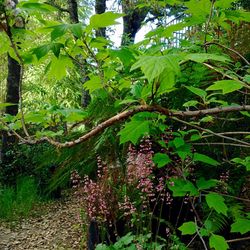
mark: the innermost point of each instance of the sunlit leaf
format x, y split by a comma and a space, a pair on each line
188, 228
218, 242
226, 86
216, 201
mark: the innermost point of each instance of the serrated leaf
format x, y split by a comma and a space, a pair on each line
188, 228
218, 242
178, 142
103, 20
153, 66
93, 84
200, 92
205, 159
202, 184
161, 159
227, 86
133, 131
59, 66
241, 226
216, 201
181, 187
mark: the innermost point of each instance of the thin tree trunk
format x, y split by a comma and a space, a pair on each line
74, 18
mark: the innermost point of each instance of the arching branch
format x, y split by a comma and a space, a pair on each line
128, 113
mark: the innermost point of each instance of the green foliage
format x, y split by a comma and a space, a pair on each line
18, 203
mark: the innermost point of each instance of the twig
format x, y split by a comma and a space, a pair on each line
239, 239
211, 132
208, 22
197, 230
221, 143
226, 75
227, 195
232, 50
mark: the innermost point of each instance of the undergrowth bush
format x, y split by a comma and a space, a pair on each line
18, 203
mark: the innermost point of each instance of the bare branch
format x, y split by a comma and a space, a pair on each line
226, 75
232, 50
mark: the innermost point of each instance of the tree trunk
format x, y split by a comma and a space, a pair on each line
73, 13
132, 21
100, 7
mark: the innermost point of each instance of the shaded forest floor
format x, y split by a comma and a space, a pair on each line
57, 225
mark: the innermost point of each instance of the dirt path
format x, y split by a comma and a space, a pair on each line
59, 228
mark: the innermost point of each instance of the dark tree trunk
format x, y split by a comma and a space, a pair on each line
132, 21
12, 96
73, 13
100, 7
13, 81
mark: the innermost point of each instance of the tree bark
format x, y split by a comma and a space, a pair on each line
100, 7
132, 21
74, 18
73, 11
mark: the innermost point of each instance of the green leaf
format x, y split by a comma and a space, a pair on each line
93, 84
227, 86
41, 51
59, 66
6, 104
188, 228
133, 131
191, 103
245, 162
205, 159
181, 187
58, 31
216, 201
241, 226
161, 159
202, 57
178, 142
76, 29
201, 183
41, 7
153, 66
56, 47
103, 20
200, 92
195, 137
218, 242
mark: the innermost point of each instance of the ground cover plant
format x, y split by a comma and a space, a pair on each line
154, 137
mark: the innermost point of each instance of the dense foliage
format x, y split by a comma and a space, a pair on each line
159, 150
